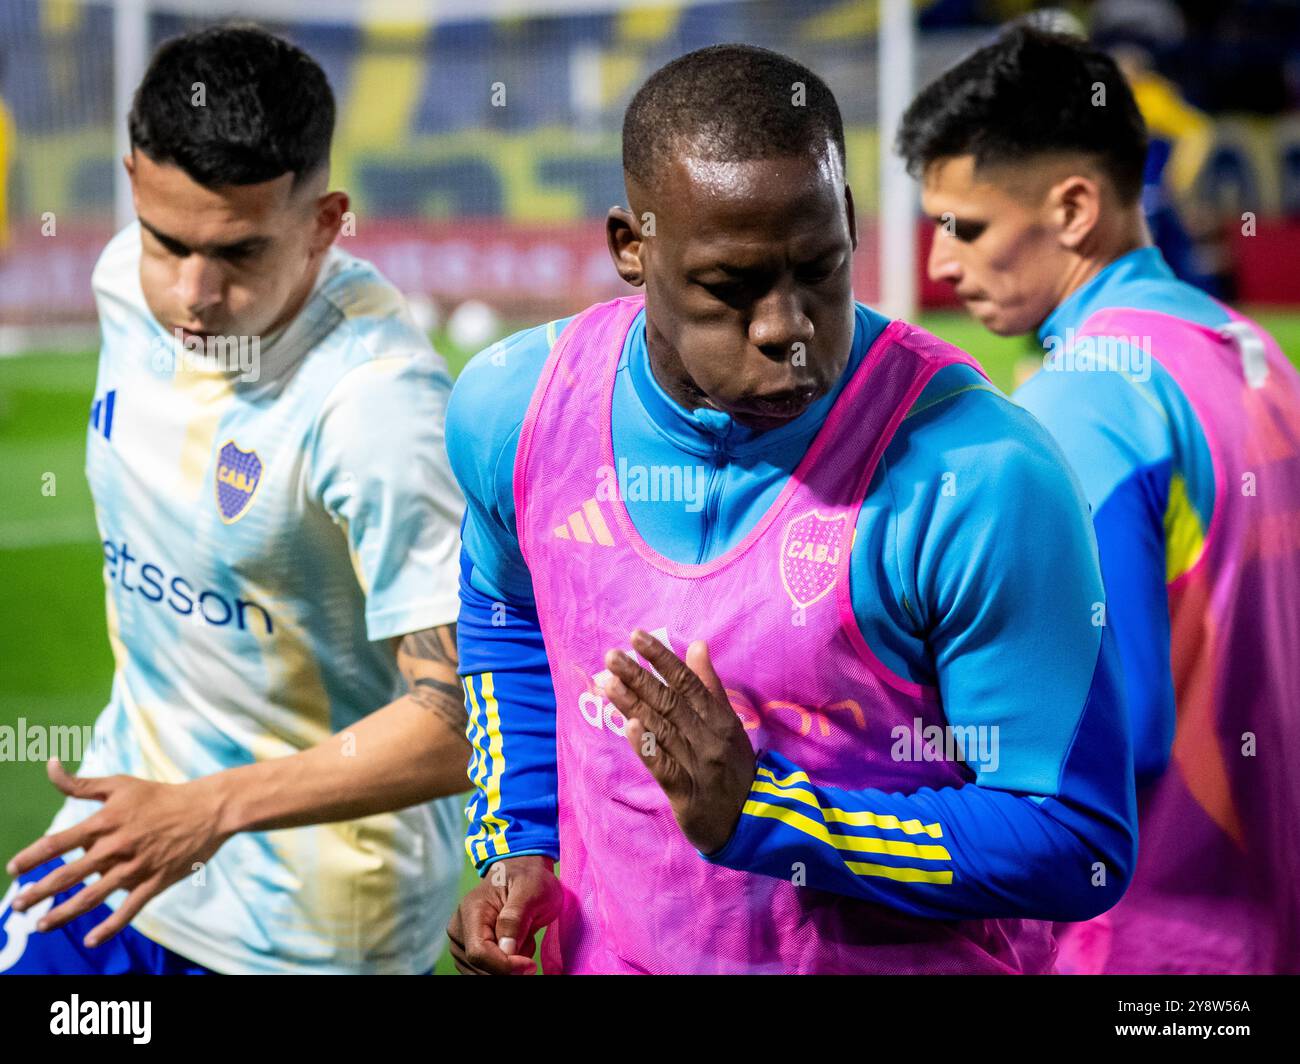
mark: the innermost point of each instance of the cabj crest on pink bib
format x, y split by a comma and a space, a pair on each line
776, 613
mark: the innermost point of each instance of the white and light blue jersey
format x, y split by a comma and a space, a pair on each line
263, 541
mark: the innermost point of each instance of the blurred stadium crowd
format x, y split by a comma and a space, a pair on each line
481, 154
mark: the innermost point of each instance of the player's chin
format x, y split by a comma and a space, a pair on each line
996, 319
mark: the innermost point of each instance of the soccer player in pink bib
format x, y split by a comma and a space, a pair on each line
778, 622
1182, 419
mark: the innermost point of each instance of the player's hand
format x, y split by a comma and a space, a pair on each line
146, 837
686, 733
494, 930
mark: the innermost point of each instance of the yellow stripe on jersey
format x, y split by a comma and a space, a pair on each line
491, 837
919, 409
207, 395
886, 822
1184, 536
478, 758
902, 875
498, 762
854, 818
808, 826
863, 843
794, 777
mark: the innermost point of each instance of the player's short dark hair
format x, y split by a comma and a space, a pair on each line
729, 103
1029, 93
267, 108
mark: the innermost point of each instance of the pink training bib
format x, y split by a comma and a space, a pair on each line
1217, 886
776, 613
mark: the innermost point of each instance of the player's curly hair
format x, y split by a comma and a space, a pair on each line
265, 107
729, 103
1029, 93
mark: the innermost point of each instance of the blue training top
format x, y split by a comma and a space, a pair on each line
958, 579
1141, 454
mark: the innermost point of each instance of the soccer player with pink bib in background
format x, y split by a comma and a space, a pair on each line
1182, 420
759, 636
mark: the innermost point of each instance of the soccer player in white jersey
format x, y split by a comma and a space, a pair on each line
280, 539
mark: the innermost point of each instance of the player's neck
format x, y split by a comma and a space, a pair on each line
294, 307
1128, 235
667, 369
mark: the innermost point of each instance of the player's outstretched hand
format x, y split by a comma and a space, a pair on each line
686, 733
494, 930
146, 837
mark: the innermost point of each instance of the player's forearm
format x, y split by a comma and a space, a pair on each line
957, 853
511, 707
396, 757
410, 751
512, 810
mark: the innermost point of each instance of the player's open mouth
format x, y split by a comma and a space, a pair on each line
783, 405
186, 333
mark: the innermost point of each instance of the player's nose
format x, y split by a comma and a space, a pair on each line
778, 322
199, 283
942, 265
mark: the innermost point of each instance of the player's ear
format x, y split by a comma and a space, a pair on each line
853, 217
128, 161
1076, 206
330, 209
623, 236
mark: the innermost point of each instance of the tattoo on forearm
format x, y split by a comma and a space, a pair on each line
428, 661
444, 699
436, 645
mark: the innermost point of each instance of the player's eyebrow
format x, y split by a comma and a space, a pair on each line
729, 268
755, 268
247, 246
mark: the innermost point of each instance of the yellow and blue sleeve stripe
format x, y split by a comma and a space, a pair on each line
869, 843
485, 769
511, 709
956, 853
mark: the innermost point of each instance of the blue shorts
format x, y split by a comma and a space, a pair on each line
25, 951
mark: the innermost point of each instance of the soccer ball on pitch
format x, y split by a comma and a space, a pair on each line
473, 325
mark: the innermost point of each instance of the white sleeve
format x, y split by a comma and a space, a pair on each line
379, 466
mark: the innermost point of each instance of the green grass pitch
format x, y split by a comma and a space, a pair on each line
56, 667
